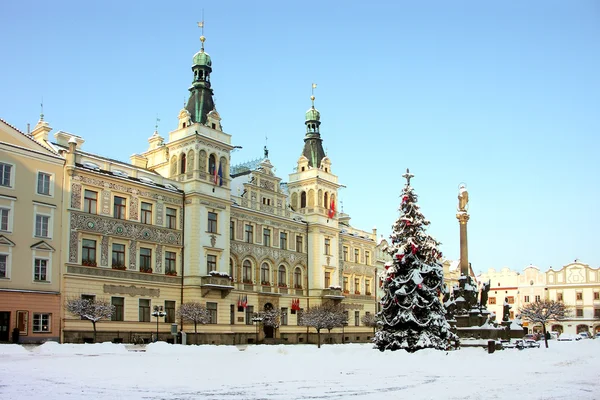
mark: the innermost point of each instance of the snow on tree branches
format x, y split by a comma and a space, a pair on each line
93, 310
369, 320
543, 312
326, 316
412, 316
196, 313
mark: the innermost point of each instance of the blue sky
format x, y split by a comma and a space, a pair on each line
501, 95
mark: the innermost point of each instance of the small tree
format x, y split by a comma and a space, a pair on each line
271, 318
325, 316
370, 321
196, 313
93, 310
543, 312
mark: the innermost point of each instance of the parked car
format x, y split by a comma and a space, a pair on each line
584, 335
507, 344
597, 335
565, 337
526, 344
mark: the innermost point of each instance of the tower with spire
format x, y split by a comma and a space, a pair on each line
201, 102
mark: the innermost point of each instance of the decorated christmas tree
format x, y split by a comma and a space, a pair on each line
412, 315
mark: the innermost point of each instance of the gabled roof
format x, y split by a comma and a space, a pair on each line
25, 140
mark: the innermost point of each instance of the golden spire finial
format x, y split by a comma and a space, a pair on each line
201, 26
312, 97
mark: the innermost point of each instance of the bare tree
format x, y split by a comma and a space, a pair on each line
91, 309
369, 320
196, 313
271, 317
543, 312
323, 317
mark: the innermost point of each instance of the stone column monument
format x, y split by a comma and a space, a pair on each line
463, 218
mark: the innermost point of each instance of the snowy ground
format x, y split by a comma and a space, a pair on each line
352, 371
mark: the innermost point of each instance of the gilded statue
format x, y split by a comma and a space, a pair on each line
463, 198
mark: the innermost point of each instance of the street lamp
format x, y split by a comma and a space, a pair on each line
158, 312
344, 324
257, 318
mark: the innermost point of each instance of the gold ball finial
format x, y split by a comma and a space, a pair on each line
202, 39
312, 98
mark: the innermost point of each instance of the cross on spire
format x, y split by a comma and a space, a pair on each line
407, 175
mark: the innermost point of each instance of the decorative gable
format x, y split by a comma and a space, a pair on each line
4, 241
42, 246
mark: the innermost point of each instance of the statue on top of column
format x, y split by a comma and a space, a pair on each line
463, 197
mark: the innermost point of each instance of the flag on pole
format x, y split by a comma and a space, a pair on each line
215, 175
220, 175
331, 212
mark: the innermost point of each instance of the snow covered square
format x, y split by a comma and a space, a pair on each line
290, 372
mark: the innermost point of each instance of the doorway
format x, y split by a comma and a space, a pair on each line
4, 326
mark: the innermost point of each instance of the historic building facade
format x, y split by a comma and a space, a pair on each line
179, 224
31, 196
575, 284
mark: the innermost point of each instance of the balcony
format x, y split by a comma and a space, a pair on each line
108, 272
335, 294
219, 283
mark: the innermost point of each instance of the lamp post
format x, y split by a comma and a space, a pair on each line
158, 312
257, 318
344, 324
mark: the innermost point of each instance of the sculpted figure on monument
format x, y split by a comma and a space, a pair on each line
506, 310
484, 294
463, 197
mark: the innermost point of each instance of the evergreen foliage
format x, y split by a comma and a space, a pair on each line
412, 316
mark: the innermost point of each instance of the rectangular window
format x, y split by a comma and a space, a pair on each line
356, 285
170, 311
492, 300
145, 259
43, 183
211, 262
212, 312
249, 231
367, 258
146, 216
144, 310
3, 265
249, 315
231, 230
327, 279
41, 225
284, 316
283, 241
88, 252
368, 287
579, 296
5, 172
356, 255
266, 237
118, 255
170, 262
247, 271
299, 243
171, 218
596, 295
356, 318
90, 201
40, 272
41, 322
4, 215
345, 253
596, 312
579, 312
327, 246
119, 304
212, 222
346, 284
559, 297
526, 299
119, 206
511, 300
537, 298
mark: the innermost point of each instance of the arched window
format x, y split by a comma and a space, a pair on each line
264, 274
183, 164
297, 278
325, 200
247, 272
281, 281
311, 198
303, 200
231, 269
212, 164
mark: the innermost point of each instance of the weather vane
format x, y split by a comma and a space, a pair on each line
156, 126
312, 94
201, 26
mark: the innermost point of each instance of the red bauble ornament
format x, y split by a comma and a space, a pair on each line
414, 248
404, 198
420, 286
399, 256
407, 223
387, 266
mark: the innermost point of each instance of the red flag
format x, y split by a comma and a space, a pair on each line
215, 175
331, 212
